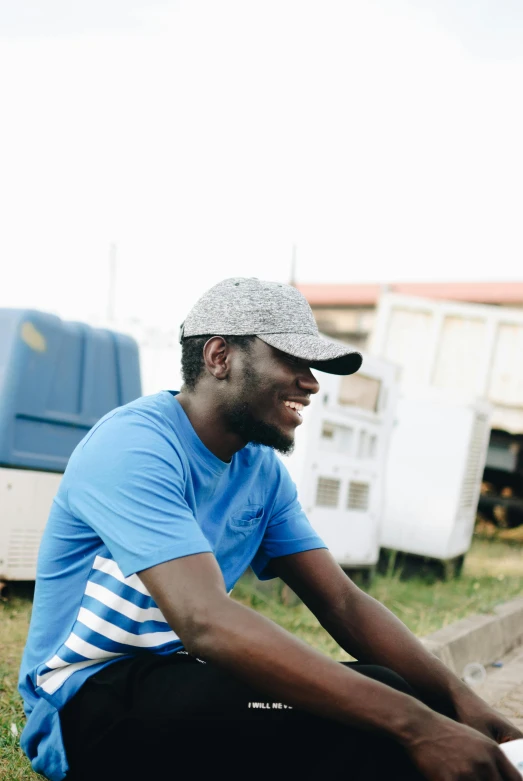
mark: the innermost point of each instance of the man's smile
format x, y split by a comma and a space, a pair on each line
295, 408
294, 405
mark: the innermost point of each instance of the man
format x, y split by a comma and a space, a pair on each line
139, 664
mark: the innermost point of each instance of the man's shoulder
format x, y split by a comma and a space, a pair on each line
157, 408
159, 404
148, 422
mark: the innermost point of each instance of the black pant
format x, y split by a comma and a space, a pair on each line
172, 717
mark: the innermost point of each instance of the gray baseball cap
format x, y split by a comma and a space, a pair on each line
276, 313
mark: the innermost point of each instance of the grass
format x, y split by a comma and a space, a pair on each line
493, 573
14, 620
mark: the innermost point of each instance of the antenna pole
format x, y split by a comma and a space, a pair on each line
111, 296
293, 266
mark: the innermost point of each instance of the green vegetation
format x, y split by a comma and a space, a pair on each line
14, 620
493, 573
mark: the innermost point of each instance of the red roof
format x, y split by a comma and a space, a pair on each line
368, 294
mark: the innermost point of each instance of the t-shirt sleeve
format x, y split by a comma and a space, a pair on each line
127, 483
288, 530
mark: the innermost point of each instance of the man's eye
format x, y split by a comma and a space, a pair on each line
293, 361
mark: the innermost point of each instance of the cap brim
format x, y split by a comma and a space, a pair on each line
322, 354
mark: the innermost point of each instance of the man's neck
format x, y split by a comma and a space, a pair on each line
207, 421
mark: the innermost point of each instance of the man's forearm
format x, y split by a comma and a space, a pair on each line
190, 592
273, 661
370, 632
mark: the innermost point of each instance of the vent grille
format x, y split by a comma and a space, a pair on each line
22, 550
470, 485
358, 498
327, 492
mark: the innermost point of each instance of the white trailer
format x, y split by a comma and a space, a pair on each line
339, 460
461, 375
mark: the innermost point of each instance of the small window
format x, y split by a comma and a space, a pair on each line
327, 431
358, 498
327, 492
336, 438
358, 390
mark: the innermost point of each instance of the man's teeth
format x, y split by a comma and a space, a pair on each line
294, 405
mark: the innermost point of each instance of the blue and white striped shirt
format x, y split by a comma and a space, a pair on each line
140, 489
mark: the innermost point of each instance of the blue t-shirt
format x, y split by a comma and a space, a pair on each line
141, 488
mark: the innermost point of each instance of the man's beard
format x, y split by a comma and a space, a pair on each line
241, 420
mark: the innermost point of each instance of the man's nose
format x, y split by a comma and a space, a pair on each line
308, 382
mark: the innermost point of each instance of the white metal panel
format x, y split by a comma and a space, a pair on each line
480, 358
506, 379
436, 460
405, 342
26, 497
458, 359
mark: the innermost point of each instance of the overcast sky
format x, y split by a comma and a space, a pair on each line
205, 138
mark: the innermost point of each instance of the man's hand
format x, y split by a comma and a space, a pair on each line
368, 631
474, 712
446, 751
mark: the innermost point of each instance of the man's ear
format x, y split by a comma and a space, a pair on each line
216, 357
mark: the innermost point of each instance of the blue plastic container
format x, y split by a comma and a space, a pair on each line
56, 380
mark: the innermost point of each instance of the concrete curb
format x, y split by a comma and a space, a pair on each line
478, 638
